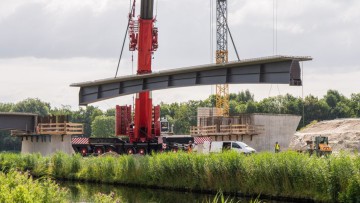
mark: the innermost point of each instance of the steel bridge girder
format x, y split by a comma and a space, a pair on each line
273, 70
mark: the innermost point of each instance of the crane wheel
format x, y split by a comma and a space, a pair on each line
130, 151
110, 149
142, 151
83, 151
98, 150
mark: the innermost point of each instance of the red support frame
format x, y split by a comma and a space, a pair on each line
122, 120
157, 126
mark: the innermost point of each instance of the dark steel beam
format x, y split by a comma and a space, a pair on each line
18, 121
270, 70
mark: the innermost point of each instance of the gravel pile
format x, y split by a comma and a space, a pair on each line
344, 134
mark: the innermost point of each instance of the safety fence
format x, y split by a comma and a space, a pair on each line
226, 130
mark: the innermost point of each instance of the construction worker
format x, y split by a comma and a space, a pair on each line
277, 147
190, 146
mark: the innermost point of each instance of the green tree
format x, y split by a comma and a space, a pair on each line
315, 109
270, 105
251, 107
168, 109
244, 96
342, 110
63, 110
110, 112
9, 143
103, 126
332, 97
211, 101
182, 119
355, 104
241, 108
6, 107
338, 104
32, 106
86, 116
233, 111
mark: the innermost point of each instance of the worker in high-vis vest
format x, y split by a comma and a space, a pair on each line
277, 147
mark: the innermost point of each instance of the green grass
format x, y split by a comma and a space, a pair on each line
16, 186
287, 174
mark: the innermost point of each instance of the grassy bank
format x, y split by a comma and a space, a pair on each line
17, 187
288, 174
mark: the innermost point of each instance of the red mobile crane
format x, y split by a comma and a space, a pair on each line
145, 131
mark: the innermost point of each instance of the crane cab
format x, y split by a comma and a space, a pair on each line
165, 127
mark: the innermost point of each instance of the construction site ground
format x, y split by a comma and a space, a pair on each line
343, 134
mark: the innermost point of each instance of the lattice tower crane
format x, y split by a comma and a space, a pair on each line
222, 90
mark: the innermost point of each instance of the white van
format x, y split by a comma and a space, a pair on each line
220, 146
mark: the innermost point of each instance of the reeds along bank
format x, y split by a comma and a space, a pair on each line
287, 174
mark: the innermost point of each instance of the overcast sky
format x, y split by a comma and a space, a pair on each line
45, 45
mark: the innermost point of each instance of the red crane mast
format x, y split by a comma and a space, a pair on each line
143, 37
145, 128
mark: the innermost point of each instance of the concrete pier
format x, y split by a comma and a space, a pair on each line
277, 128
49, 138
46, 144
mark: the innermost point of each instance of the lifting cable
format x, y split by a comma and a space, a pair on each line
122, 48
132, 72
157, 4
275, 11
302, 93
211, 32
275, 26
232, 40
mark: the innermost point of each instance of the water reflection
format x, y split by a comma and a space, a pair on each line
84, 192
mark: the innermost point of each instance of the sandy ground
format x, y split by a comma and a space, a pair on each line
344, 134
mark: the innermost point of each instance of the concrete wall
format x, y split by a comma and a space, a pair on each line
207, 112
277, 128
46, 144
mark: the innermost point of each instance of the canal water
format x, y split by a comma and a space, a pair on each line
84, 192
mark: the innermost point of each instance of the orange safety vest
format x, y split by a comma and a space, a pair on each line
189, 148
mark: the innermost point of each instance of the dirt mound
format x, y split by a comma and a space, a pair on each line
344, 134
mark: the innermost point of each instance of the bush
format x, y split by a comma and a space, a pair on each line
17, 187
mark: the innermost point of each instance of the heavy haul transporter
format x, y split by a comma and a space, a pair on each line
164, 142
144, 129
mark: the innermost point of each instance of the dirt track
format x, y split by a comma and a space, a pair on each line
344, 134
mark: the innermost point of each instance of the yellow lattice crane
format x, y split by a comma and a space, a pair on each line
222, 90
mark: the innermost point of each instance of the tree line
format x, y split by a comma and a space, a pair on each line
98, 123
